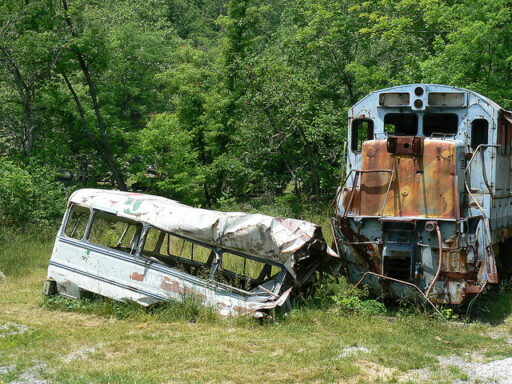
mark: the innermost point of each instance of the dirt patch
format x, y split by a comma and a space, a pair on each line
373, 372
421, 375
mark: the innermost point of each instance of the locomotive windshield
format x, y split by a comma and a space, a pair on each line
440, 124
401, 124
434, 124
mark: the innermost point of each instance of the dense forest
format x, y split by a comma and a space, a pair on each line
205, 100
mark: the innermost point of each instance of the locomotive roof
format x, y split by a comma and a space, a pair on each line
432, 88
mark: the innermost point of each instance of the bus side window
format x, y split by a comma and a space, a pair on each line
244, 273
77, 222
179, 253
479, 132
114, 232
362, 130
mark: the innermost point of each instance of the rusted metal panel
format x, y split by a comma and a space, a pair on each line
422, 186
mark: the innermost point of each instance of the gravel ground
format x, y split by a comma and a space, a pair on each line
12, 329
30, 376
353, 350
497, 371
82, 353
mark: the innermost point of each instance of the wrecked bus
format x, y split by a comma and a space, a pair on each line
149, 249
426, 204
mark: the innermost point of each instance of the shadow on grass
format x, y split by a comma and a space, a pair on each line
493, 305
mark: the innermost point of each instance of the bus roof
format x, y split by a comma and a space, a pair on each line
265, 237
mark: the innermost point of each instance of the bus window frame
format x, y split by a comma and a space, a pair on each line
217, 262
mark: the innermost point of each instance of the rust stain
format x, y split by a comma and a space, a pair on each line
175, 287
171, 286
137, 276
370, 253
423, 185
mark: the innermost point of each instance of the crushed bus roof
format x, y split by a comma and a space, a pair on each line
275, 239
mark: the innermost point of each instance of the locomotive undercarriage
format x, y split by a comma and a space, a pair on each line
408, 250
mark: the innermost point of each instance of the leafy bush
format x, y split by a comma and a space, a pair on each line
29, 195
334, 293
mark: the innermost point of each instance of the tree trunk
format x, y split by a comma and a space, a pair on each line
28, 139
26, 100
107, 155
116, 172
105, 146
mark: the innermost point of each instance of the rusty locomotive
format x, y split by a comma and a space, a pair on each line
426, 204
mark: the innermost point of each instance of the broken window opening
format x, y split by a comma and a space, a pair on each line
179, 252
440, 124
479, 132
362, 130
246, 273
401, 124
77, 222
114, 232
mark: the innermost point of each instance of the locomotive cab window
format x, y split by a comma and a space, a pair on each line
440, 124
362, 130
401, 124
479, 132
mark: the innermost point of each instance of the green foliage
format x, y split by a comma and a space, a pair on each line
168, 150
449, 314
355, 304
29, 197
212, 101
338, 293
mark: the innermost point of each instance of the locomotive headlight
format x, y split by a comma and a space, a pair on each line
418, 91
430, 226
418, 103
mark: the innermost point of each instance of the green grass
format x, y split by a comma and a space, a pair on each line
25, 250
188, 343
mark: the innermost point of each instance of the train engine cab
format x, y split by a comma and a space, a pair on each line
426, 202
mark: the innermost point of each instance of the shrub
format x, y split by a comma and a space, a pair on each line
29, 196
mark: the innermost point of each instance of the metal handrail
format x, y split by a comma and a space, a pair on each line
484, 173
486, 236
